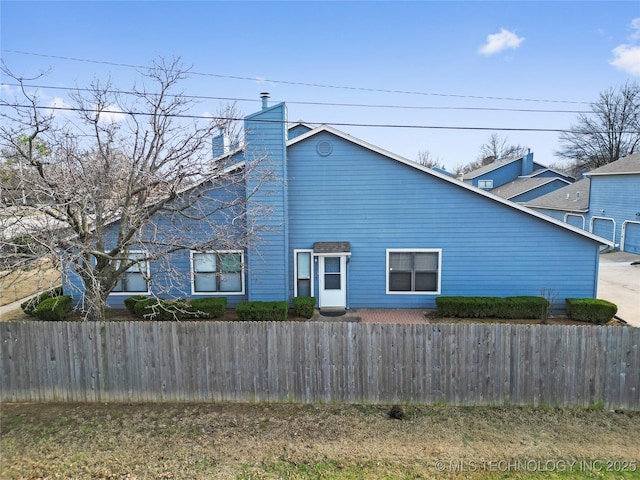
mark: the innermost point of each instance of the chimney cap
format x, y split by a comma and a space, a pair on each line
265, 100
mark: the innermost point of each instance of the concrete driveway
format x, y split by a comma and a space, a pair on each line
619, 282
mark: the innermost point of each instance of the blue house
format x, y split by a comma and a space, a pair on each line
606, 202
357, 226
518, 179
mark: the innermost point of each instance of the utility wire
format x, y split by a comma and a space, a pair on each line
304, 84
328, 104
342, 124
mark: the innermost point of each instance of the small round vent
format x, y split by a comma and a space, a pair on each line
324, 148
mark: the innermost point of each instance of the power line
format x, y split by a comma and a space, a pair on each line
341, 124
328, 104
306, 84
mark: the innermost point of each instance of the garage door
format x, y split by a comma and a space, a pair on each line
604, 227
630, 237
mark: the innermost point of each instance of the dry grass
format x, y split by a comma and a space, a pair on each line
209, 441
21, 284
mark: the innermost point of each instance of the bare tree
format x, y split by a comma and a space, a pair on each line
131, 181
498, 147
426, 159
611, 131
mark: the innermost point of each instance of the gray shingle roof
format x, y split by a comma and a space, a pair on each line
624, 166
572, 198
521, 185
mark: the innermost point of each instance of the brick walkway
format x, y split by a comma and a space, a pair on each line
374, 315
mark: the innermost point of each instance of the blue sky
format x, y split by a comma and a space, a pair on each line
460, 61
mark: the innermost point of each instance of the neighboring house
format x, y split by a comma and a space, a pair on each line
606, 202
518, 179
357, 226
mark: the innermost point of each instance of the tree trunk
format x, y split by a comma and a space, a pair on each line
94, 303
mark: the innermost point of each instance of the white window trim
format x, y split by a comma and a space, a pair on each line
591, 222
623, 235
567, 215
148, 279
416, 250
489, 183
295, 269
221, 294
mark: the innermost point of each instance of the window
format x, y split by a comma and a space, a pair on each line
486, 184
303, 273
413, 270
135, 278
217, 272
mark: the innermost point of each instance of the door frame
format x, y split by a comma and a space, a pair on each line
339, 300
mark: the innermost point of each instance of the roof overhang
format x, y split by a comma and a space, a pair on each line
331, 248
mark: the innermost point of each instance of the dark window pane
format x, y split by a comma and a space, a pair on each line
400, 261
426, 262
332, 281
400, 281
426, 282
304, 288
332, 264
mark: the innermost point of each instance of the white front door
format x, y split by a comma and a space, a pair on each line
333, 281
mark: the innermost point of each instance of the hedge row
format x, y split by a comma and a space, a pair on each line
214, 307
590, 310
164, 310
492, 307
255, 311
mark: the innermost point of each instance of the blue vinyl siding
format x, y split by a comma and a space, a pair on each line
539, 191
171, 275
546, 173
267, 256
377, 203
616, 197
501, 175
557, 214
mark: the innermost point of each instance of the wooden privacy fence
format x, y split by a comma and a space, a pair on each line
320, 362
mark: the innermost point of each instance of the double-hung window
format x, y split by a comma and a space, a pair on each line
136, 278
413, 271
217, 272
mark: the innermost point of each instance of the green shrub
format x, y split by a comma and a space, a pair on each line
256, 311
304, 306
492, 307
209, 307
130, 302
590, 310
29, 305
53, 308
151, 309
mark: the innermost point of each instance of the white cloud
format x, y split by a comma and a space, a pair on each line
497, 42
60, 105
112, 114
635, 26
626, 57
